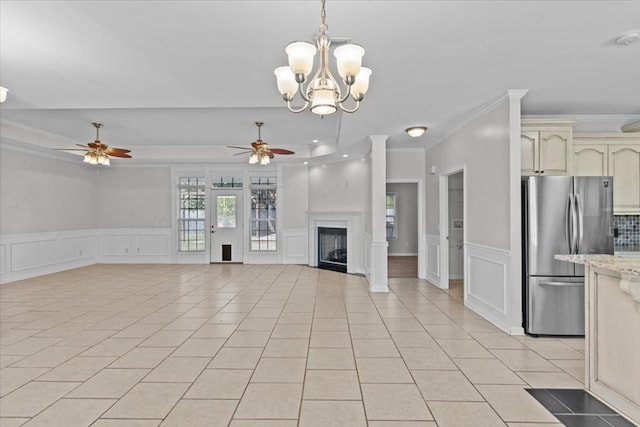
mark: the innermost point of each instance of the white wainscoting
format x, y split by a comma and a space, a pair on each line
30, 255
135, 246
295, 246
433, 259
486, 283
23, 256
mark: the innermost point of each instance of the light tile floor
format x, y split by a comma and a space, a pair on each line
263, 346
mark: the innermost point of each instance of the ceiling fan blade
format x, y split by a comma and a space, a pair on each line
240, 148
83, 146
281, 151
121, 155
96, 145
271, 155
116, 150
243, 152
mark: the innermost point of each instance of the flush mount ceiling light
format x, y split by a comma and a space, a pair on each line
416, 131
323, 91
3, 93
628, 38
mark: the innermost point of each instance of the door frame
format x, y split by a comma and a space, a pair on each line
443, 190
422, 267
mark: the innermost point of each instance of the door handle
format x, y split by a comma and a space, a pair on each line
560, 284
580, 226
569, 224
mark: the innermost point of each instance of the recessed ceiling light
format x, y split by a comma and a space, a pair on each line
345, 155
305, 163
315, 141
628, 38
416, 131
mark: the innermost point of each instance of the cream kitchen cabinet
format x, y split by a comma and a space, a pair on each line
616, 155
546, 147
624, 166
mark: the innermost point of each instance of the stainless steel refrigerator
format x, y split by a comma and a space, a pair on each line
561, 215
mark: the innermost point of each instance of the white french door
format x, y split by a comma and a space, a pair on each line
227, 225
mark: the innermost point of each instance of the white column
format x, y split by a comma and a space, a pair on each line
514, 294
378, 281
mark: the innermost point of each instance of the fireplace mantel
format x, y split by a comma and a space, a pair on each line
351, 220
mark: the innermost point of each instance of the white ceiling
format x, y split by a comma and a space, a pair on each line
180, 80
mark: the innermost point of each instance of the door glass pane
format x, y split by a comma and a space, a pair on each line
226, 207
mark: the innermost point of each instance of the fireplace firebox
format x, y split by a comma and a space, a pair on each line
332, 248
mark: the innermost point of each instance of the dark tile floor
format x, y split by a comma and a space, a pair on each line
577, 408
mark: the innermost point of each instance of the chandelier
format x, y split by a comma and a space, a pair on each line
323, 92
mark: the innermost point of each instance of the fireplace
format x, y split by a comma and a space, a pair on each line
332, 248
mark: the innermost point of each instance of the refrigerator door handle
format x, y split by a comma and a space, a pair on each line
561, 283
572, 225
579, 224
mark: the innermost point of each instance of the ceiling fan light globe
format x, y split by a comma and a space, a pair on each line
265, 160
301, 57
349, 59
253, 159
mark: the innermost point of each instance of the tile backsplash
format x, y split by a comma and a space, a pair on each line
628, 227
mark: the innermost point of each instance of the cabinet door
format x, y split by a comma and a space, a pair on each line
554, 146
624, 166
590, 160
529, 153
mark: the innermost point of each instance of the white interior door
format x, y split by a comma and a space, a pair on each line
226, 226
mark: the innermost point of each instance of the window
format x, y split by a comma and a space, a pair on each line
226, 182
392, 232
191, 214
263, 214
226, 211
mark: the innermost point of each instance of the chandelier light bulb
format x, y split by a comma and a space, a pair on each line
3, 93
323, 93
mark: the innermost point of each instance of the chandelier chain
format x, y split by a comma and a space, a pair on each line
323, 16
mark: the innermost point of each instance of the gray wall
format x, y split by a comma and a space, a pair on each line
134, 197
42, 194
483, 146
295, 197
406, 219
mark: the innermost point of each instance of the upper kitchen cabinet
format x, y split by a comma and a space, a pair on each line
616, 155
624, 166
546, 147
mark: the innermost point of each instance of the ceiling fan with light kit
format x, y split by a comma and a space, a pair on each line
261, 152
97, 153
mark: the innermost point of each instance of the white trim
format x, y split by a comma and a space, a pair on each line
457, 127
432, 249
404, 254
486, 292
295, 246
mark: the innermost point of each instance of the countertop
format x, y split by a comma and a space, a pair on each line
620, 263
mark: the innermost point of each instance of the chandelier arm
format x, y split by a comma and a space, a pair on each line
346, 110
346, 96
304, 107
301, 92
